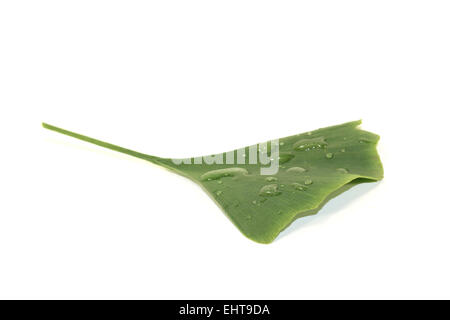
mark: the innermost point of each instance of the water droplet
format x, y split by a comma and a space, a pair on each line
219, 182
271, 179
281, 143
219, 192
298, 186
343, 150
222, 173
269, 190
310, 144
342, 170
329, 155
285, 157
296, 170
249, 217
364, 140
282, 185
308, 181
254, 202
309, 133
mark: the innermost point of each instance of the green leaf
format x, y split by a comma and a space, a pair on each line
313, 168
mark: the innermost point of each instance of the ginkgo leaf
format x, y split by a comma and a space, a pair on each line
264, 188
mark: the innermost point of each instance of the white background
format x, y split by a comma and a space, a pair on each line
185, 78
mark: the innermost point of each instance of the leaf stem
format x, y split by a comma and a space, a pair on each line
103, 144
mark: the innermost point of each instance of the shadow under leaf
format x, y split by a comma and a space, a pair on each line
333, 207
